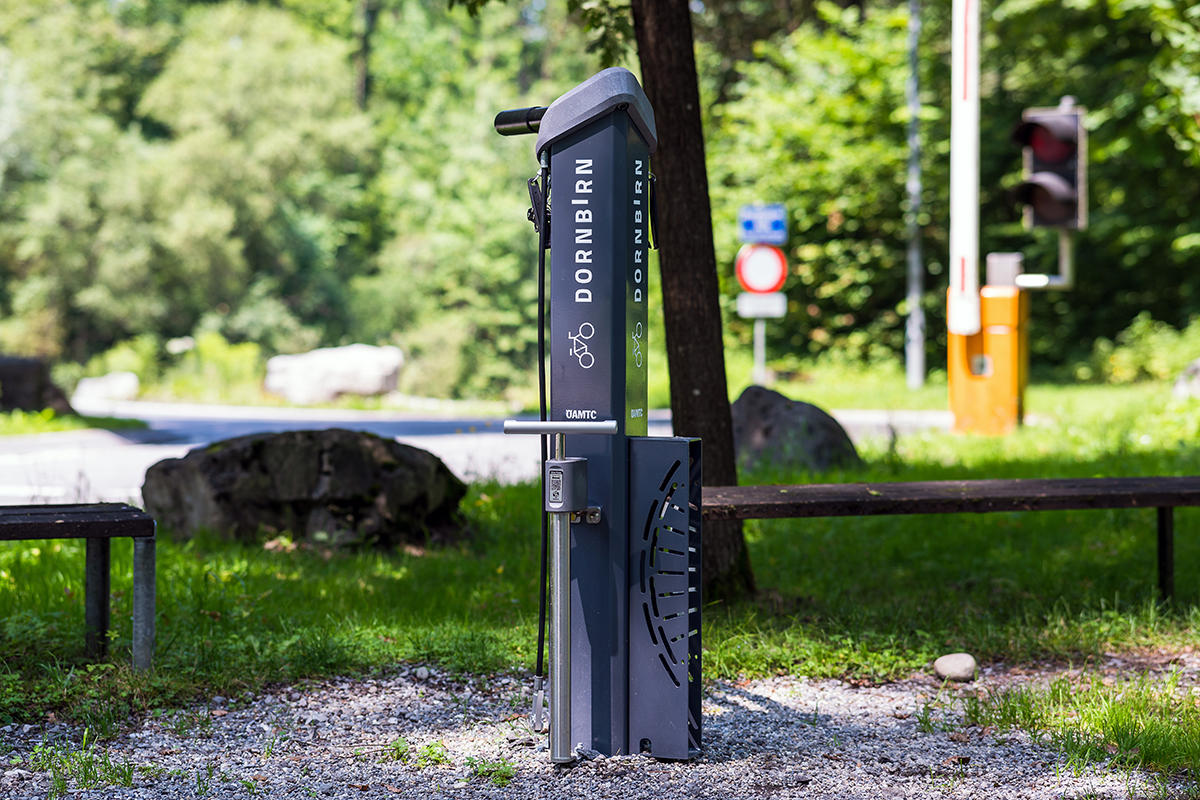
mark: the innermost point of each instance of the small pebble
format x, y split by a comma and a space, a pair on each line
955, 667
422, 673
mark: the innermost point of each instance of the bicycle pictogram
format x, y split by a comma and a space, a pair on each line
637, 345
579, 348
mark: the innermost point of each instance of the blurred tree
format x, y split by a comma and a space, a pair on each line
818, 122
243, 212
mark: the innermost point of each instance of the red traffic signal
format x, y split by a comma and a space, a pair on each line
1054, 184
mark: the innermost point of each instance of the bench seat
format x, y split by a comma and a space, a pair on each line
98, 523
955, 497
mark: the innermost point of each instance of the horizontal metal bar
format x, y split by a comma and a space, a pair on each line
608, 426
1029, 280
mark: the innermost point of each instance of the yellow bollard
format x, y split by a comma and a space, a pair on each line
988, 371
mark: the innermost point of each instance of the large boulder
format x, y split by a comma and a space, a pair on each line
25, 385
110, 388
1188, 382
772, 430
319, 376
335, 486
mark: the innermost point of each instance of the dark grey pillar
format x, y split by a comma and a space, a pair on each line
96, 596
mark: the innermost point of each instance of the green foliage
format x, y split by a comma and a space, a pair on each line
214, 370
170, 167
1120, 60
817, 122
234, 196
1146, 350
455, 284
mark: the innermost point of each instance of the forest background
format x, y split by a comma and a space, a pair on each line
288, 174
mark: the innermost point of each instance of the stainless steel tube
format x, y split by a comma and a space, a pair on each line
560, 639
561, 751
143, 602
558, 426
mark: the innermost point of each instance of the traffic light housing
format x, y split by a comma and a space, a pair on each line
1054, 180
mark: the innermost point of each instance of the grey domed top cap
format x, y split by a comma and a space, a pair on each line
592, 99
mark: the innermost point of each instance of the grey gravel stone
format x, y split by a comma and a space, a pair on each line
783, 737
955, 667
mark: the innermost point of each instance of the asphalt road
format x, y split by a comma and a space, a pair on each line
94, 465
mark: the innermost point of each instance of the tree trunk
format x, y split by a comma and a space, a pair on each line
369, 11
695, 350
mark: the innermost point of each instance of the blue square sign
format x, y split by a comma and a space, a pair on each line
765, 224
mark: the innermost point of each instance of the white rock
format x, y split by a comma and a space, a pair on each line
321, 375
1188, 382
955, 667
422, 673
110, 388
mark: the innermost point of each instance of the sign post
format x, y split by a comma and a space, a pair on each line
762, 271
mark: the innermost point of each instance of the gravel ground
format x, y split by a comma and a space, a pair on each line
775, 738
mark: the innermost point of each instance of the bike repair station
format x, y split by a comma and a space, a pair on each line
622, 510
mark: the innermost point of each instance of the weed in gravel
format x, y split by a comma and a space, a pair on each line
396, 750
432, 753
204, 780
86, 768
500, 772
186, 724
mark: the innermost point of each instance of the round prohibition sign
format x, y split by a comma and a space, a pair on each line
761, 268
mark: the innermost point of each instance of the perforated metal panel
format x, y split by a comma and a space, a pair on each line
664, 597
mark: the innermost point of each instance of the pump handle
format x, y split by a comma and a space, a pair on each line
552, 426
519, 120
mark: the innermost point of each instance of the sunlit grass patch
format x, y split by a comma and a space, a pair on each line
1144, 722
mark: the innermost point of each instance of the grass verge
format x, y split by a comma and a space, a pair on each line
17, 422
866, 599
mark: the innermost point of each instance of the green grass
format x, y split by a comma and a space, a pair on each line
870, 598
1136, 722
17, 422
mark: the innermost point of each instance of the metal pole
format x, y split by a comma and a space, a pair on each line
963, 316
143, 602
1166, 552
760, 351
96, 596
561, 751
914, 332
1066, 258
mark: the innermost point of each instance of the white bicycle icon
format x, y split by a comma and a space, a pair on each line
578, 347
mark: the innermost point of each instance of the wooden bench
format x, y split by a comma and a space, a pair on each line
953, 497
98, 523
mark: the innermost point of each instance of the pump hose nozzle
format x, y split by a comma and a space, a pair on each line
519, 121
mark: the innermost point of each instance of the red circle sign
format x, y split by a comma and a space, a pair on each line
761, 268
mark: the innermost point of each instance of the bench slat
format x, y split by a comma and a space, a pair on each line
74, 521
947, 497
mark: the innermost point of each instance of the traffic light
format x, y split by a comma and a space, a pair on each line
1054, 181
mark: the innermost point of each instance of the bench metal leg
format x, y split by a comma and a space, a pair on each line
95, 597
143, 602
1166, 552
